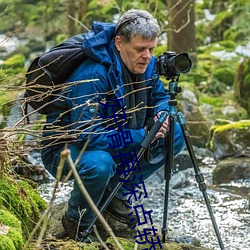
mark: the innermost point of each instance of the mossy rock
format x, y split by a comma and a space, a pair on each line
11, 237
232, 139
21, 199
128, 244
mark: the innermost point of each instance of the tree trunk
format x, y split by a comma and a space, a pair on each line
71, 6
83, 7
181, 27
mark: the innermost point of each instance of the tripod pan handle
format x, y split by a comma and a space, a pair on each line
153, 131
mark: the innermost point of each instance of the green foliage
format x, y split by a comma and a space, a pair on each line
216, 67
229, 23
221, 23
214, 101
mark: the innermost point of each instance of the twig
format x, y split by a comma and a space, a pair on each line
66, 154
99, 238
77, 21
136, 246
46, 216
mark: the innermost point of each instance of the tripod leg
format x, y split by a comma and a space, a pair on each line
168, 173
199, 176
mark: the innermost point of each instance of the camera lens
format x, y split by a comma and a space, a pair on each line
182, 63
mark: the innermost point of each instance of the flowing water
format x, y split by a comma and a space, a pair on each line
187, 212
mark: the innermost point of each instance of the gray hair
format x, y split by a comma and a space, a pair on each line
137, 22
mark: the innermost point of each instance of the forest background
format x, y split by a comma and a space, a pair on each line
214, 33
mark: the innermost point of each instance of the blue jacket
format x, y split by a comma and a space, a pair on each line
84, 120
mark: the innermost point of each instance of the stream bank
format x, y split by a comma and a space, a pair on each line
187, 213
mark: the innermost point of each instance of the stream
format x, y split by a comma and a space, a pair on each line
187, 212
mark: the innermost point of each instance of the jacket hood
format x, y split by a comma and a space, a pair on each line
98, 43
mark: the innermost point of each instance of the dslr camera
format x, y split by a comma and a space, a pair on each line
171, 65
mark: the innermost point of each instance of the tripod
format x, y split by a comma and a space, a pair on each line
173, 90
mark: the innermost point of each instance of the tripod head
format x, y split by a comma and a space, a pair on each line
174, 89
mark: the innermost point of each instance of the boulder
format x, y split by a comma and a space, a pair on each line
230, 143
231, 139
231, 169
197, 125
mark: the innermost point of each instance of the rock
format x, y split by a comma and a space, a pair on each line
197, 125
181, 179
190, 96
231, 169
232, 139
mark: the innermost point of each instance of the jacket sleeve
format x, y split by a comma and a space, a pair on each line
87, 123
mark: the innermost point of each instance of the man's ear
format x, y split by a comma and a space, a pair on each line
118, 43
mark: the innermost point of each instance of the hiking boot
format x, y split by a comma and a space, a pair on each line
122, 211
74, 231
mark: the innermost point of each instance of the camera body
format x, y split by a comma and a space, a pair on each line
171, 65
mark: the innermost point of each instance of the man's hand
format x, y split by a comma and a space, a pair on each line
163, 129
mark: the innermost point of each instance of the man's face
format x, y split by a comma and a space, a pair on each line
136, 54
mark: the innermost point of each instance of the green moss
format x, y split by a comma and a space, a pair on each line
235, 125
239, 128
13, 71
6, 243
128, 244
212, 100
16, 61
16, 237
225, 75
242, 84
13, 239
228, 45
9, 219
21, 199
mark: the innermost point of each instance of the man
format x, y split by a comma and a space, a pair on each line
122, 93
